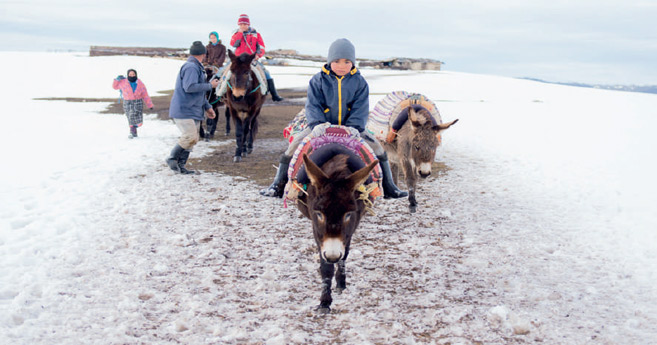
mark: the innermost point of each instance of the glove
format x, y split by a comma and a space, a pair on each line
120, 77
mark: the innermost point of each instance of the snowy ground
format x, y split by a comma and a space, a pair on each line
542, 230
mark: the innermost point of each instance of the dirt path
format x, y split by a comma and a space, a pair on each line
269, 145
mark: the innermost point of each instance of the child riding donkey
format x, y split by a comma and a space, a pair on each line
338, 95
246, 40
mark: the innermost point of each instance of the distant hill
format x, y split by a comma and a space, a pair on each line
629, 88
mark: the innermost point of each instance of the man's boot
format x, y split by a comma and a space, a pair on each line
272, 89
390, 190
133, 132
172, 160
182, 160
277, 187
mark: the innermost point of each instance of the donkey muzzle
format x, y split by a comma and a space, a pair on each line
424, 170
332, 250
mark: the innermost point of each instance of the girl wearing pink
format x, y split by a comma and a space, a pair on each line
134, 96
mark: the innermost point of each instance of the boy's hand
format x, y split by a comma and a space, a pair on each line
210, 113
214, 83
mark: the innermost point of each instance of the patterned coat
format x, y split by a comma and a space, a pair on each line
139, 93
252, 44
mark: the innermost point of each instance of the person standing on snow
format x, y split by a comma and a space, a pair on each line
247, 40
188, 106
134, 95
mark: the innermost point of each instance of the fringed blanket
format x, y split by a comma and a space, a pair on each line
296, 126
324, 142
225, 76
386, 111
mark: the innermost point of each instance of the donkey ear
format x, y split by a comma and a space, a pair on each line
231, 55
250, 58
359, 177
415, 119
316, 175
444, 126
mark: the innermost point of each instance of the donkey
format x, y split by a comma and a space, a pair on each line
211, 96
415, 149
244, 101
332, 205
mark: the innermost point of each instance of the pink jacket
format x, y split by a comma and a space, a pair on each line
140, 91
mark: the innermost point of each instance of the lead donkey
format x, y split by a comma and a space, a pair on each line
337, 183
409, 127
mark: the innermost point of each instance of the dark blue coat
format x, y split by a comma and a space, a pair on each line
188, 101
338, 100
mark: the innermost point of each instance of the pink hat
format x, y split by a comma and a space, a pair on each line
244, 19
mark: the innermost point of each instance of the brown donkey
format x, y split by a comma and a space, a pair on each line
333, 205
244, 101
415, 148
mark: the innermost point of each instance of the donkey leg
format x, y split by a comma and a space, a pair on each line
245, 138
327, 270
410, 183
227, 121
341, 277
239, 140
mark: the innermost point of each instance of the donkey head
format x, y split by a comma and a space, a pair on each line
425, 140
241, 78
332, 204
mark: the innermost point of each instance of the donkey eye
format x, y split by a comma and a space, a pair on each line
319, 215
417, 147
347, 217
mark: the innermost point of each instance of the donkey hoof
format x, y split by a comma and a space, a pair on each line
237, 159
249, 150
323, 310
412, 208
227, 133
244, 153
338, 290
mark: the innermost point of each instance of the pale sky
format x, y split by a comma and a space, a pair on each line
601, 41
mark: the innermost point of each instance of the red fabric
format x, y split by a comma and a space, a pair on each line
250, 45
244, 19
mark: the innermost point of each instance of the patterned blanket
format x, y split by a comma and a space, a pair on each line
350, 142
386, 111
225, 76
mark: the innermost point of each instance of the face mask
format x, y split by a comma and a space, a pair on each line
132, 79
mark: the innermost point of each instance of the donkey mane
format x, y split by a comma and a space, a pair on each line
336, 169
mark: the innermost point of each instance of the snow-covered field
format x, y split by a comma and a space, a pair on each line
543, 229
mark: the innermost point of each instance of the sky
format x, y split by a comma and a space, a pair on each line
605, 41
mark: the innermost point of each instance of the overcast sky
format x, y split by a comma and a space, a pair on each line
592, 41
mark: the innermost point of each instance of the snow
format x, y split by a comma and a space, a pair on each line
542, 229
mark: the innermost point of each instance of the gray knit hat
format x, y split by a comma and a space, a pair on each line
342, 49
197, 48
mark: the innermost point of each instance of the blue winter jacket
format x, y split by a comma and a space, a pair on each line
338, 100
189, 101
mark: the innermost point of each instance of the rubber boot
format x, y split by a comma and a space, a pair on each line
272, 90
172, 160
182, 160
133, 132
277, 187
390, 190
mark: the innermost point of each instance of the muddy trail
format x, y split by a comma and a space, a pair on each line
259, 166
269, 144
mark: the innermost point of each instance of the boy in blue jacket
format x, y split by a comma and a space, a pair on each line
338, 95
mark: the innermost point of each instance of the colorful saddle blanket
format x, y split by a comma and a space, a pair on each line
386, 111
226, 74
296, 126
323, 143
